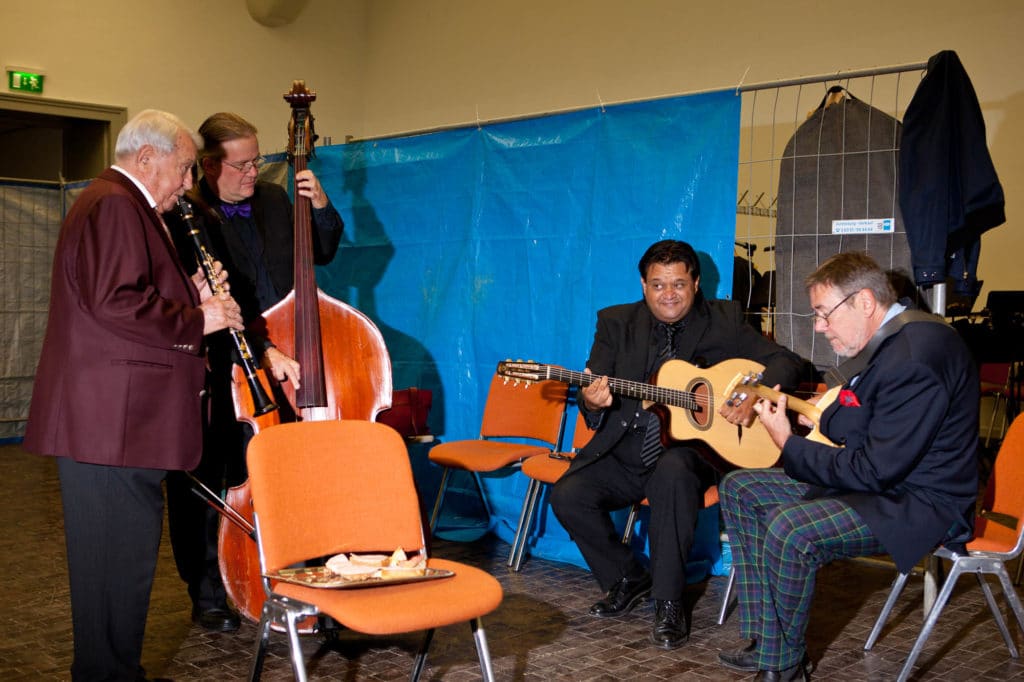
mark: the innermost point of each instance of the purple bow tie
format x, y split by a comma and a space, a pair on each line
231, 210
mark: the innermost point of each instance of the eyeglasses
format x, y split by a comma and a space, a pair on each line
823, 317
245, 166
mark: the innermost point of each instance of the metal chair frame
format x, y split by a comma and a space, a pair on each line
986, 554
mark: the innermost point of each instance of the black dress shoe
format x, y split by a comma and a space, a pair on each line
623, 596
744, 660
795, 672
669, 631
218, 619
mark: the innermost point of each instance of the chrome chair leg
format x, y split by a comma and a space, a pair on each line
894, 593
515, 558
421, 656
728, 597
627, 532
440, 498
929, 623
482, 652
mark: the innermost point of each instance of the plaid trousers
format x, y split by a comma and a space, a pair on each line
778, 541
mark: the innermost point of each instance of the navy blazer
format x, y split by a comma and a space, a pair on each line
715, 331
909, 465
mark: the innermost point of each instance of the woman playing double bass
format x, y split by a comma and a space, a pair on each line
249, 226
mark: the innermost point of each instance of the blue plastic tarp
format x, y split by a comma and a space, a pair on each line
474, 245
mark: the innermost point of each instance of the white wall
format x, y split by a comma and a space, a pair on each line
194, 57
387, 66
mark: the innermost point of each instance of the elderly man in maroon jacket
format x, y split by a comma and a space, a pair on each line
117, 390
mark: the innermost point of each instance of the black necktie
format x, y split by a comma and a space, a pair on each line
652, 447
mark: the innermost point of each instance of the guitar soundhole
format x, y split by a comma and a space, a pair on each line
701, 416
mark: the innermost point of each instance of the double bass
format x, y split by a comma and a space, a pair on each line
345, 370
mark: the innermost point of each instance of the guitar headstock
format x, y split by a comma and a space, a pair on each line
520, 371
741, 382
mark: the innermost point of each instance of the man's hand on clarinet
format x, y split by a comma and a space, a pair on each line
202, 282
221, 312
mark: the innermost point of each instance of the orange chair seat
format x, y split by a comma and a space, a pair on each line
482, 455
991, 536
386, 610
544, 468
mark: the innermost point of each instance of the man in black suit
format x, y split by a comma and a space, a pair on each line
625, 461
249, 226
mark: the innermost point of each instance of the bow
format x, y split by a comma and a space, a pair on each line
231, 210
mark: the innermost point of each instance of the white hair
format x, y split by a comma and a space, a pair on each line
153, 127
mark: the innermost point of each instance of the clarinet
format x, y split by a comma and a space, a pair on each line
262, 402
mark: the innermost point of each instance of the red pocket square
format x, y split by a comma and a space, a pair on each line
848, 398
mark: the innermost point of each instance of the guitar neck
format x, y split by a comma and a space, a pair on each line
798, 405
624, 387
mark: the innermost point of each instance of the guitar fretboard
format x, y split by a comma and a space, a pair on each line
631, 389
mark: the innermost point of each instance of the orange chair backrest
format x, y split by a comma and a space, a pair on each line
1005, 490
524, 410
325, 487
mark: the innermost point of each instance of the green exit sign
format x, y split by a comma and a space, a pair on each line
25, 81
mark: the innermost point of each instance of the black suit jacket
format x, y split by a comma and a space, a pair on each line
715, 331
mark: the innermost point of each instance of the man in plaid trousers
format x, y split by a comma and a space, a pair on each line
901, 477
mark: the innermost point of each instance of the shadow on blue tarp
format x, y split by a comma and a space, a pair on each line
474, 245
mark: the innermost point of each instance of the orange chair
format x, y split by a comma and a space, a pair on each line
321, 488
541, 470
994, 544
514, 409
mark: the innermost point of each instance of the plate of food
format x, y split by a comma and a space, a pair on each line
350, 571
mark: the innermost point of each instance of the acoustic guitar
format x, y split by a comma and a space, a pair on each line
686, 398
688, 394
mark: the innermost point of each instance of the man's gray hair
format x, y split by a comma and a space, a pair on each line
153, 127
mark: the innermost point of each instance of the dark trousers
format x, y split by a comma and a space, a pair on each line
192, 523
113, 517
674, 486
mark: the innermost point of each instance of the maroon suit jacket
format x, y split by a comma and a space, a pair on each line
121, 372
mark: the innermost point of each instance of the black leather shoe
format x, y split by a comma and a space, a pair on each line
795, 672
669, 631
744, 660
216, 619
623, 596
